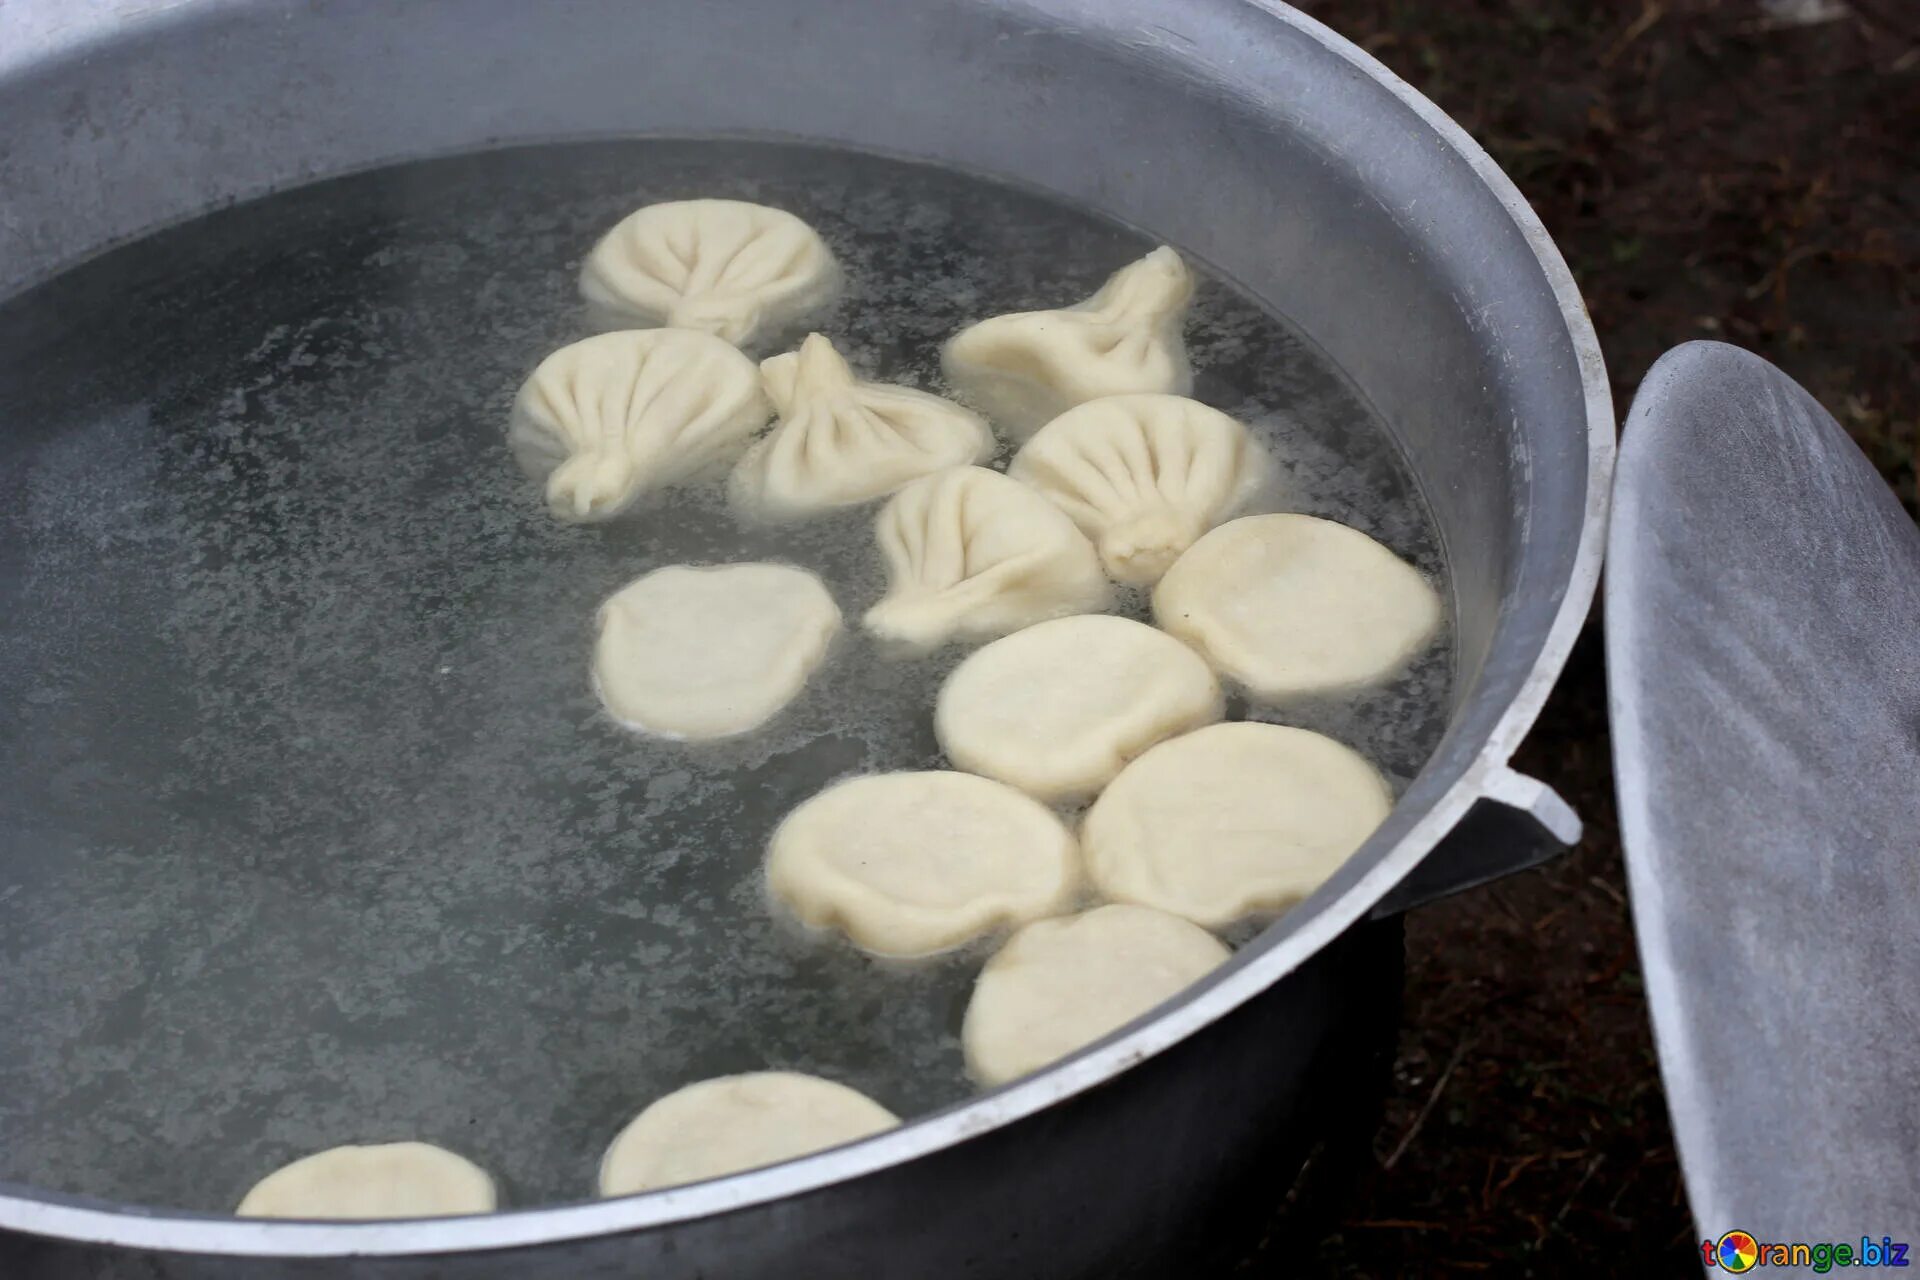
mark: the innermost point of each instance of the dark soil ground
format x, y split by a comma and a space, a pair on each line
1708, 172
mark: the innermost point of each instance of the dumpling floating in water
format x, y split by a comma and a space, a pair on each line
1057, 708
384, 1180
911, 864
1028, 367
723, 267
704, 652
1291, 605
1142, 475
971, 553
1231, 820
722, 1126
612, 417
840, 441
1058, 985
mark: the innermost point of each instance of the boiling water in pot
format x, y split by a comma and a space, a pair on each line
311, 828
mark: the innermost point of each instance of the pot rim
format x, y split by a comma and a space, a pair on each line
1253, 970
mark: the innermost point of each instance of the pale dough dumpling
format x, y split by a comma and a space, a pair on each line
1142, 475
723, 267
1058, 708
840, 441
1059, 985
973, 554
734, 1123
1027, 367
608, 419
386, 1180
689, 652
1291, 604
1231, 820
908, 864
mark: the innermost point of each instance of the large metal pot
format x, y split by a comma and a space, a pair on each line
1243, 131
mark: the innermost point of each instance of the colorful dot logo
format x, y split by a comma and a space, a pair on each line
1736, 1252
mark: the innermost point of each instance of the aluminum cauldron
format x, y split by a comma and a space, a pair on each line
1284, 156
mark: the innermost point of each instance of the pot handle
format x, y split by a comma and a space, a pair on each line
1518, 822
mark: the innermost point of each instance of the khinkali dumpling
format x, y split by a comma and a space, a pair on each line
1030, 366
971, 553
722, 1126
1058, 985
910, 864
840, 441
720, 266
381, 1180
611, 417
706, 652
1142, 475
1291, 605
1231, 820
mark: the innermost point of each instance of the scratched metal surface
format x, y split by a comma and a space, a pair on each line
1763, 643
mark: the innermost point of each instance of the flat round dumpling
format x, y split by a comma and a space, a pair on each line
1231, 820
1028, 367
385, 1180
840, 441
688, 652
973, 554
909, 864
1142, 475
1291, 604
1059, 985
734, 1123
620, 414
723, 267
1058, 708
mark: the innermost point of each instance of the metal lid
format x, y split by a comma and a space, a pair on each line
1763, 644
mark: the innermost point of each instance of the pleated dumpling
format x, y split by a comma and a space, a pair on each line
1142, 475
1028, 367
840, 441
723, 267
973, 554
614, 416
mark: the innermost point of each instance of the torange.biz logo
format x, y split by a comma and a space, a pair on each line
1737, 1252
